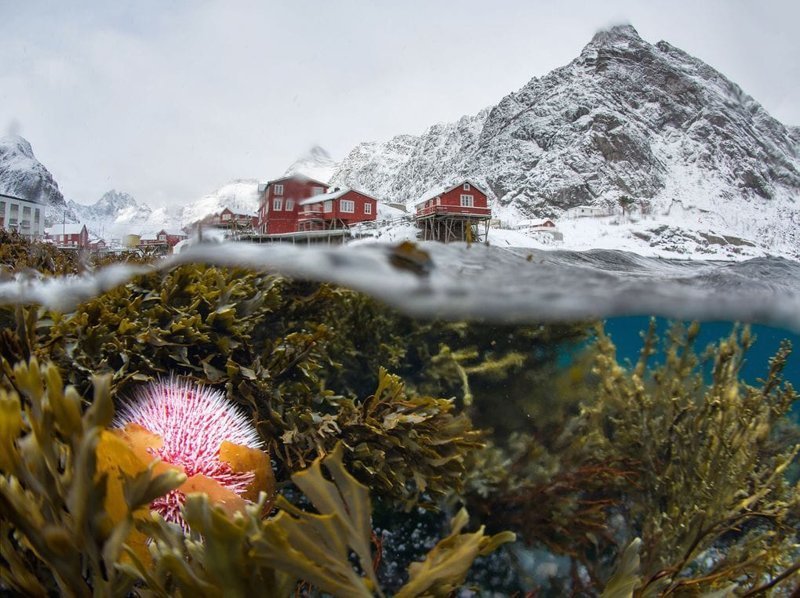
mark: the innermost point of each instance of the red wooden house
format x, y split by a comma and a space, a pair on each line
170, 238
337, 209
463, 199
279, 206
454, 214
69, 235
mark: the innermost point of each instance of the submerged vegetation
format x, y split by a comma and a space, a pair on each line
668, 476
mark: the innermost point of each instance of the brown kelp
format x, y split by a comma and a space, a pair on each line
75, 519
682, 455
667, 476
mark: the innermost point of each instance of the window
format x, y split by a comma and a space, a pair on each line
327, 207
277, 204
466, 201
226, 216
368, 208
36, 215
317, 191
347, 205
289, 205
278, 189
467, 187
2, 208
438, 201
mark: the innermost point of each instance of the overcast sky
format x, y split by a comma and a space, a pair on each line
168, 100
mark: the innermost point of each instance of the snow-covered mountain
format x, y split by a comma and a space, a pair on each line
22, 175
111, 207
626, 117
117, 213
316, 164
241, 196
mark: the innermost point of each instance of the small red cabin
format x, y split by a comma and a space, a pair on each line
170, 238
463, 199
69, 235
337, 209
279, 207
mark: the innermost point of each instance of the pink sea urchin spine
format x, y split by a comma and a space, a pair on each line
192, 421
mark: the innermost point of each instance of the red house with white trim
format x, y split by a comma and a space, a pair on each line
463, 199
280, 203
455, 213
336, 209
69, 235
170, 238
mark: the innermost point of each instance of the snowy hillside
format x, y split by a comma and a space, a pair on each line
625, 118
22, 175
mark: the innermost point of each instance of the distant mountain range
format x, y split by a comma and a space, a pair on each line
697, 157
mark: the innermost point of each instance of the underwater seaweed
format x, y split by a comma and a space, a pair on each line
67, 507
298, 356
711, 501
74, 499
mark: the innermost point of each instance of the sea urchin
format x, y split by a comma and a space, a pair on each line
192, 423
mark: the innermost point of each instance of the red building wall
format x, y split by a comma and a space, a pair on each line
450, 202
80, 239
358, 214
453, 197
273, 221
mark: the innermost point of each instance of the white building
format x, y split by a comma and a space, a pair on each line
585, 212
22, 215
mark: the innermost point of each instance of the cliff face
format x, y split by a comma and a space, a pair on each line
22, 175
624, 118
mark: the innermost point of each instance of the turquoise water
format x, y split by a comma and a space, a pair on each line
626, 334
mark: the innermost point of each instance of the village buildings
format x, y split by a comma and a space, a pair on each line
279, 206
22, 215
336, 209
69, 236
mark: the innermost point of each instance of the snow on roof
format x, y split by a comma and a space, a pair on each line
535, 222
65, 229
441, 189
324, 197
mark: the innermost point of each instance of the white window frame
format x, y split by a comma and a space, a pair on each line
438, 201
277, 204
368, 208
278, 190
467, 201
467, 187
289, 205
327, 207
347, 206
317, 191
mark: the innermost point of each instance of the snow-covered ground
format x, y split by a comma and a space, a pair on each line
666, 236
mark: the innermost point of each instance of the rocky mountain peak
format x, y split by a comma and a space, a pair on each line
615, 35
22, 175
626, 117
114, 200
315, 163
